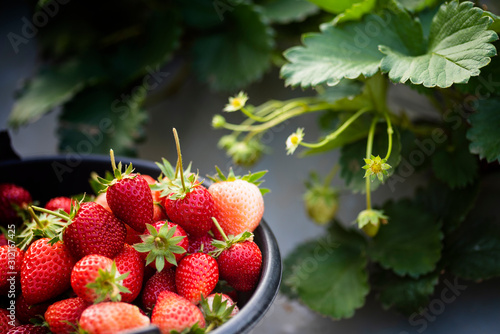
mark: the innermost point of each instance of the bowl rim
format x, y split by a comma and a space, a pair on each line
267, 289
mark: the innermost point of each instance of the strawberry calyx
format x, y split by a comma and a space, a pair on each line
228, 241
108, 284
53, 230
254, 178
160, 245
117, 173
42, 226
218, 313
195, 329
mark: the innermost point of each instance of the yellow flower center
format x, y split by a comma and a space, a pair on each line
376, 167
236, 102
294, 139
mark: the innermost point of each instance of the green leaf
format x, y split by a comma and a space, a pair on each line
450, 207
351, 50
356, 12
287, 11
142, 55
352, 154
418, 5
238, 54
346, 89
483, 132
410, 244
96, 120
404, 294
335, 7
52, 86
495, 26
328, 276
454, 164
475, 252
459, 45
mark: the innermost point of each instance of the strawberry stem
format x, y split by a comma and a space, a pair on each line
226, 239
35, 218
54, 213
179, 159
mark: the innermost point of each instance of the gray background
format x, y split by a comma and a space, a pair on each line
475, 310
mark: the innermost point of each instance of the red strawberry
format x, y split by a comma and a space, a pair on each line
95, 278
11, 259
161, 281
7, 320
239, 260
129, 260
173, 312
196, 275
25, 311
94, 230
129, 197
63, 203
46, 271
223, 298
28, 329
164, 243
63, 315
12, 198
187, 202
112, 317
201, 244
133, 237
238, 201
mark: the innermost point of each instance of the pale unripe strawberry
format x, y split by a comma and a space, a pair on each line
112, 317
239, 205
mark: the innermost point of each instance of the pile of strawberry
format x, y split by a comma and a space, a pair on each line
168, 252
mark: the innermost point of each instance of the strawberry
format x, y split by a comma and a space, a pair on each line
11, 259
46, 271
90, 229
60, 203
12, 199
133, 237
129, 196
196, 275
95, 278
161, 281
112, 317
217, 309
159, 210
25, 311
94, 230
239, 260
173, 312
201, 244
165, 243
238, 201
28, 329
63, 315
187, 202
130, 260
7, 320
101, 199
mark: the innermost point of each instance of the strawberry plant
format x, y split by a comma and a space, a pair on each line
363, 55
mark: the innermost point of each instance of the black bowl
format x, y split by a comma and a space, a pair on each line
52, 176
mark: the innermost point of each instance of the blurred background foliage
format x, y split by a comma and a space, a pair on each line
104, 63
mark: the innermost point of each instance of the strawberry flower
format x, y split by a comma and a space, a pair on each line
294, 140
376, 167
237, 102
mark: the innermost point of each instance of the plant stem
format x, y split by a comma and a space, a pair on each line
278, 119
252, 116
331, 175
57, 214
337, 132
369, 147
216, 223
179, 158
390, 131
